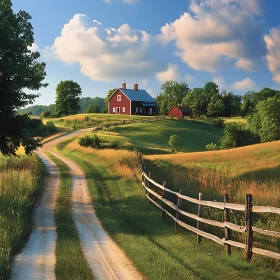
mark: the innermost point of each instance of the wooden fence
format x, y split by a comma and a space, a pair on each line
123, 122
157, 195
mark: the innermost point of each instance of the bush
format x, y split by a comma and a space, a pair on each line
90, 141
175, 143
237, 135
51, 126
212, 147
219, 122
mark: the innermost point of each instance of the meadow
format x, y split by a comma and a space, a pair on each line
20, 182
114, 182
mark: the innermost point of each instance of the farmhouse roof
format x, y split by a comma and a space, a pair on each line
137, 95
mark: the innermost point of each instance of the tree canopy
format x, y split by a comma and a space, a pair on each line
108, 95
19, 71
172, 94
67, 98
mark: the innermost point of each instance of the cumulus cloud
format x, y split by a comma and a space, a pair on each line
216, 31
34, 48
246, 84
170, 74
220, 81
107, 53
273, 56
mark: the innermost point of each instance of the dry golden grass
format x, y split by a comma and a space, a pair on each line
252, 169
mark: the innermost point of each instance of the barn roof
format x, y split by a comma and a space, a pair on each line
181, 108
137, 95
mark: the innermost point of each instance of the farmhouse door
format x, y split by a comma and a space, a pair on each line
151, 111
118, 110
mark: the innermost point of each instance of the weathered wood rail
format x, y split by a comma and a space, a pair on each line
156, 194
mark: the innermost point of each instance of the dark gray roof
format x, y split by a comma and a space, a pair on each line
138, 95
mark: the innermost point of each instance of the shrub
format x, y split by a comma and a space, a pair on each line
212, 147
219, 122
90, 141
51, 126
175, 143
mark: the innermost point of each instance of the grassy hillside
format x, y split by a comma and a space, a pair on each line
153, 137
120, 202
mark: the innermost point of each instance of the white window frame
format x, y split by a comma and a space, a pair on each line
114, 109
123, 109
119, 97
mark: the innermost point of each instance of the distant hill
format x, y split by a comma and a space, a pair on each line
85, 102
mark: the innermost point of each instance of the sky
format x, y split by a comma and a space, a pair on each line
101, 43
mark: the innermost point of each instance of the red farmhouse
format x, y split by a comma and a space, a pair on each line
178, 111
131, 102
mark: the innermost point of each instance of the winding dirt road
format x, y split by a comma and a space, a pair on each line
105, 258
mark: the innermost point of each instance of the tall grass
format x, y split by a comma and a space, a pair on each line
20, 181
159, 253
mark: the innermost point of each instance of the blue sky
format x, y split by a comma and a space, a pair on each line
100, 43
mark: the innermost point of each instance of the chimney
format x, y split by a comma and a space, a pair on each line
136, 86
124, 85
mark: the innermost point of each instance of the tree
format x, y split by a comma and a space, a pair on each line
232, 104
92, 109
175, 143
19, 71
237, 135
109, 93
194, 101
67, 98
266, 120
173, 94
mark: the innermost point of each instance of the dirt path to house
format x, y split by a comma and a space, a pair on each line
105, 258
37, 260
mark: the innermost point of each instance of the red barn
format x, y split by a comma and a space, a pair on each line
178, 111
131, 102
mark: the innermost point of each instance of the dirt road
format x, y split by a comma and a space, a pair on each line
37, 260
105, 258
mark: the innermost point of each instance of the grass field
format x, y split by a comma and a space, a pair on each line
20, 181
236, 119
153, 137
152, 244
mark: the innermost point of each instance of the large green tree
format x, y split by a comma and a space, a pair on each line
108, 95
67, 98
172, 94
266, 119
19, 71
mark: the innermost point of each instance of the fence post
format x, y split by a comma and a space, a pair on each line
179, 206
227, 230
249, 231
199, 214
150, 202
162, 203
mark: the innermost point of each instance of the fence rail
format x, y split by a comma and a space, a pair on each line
156, 194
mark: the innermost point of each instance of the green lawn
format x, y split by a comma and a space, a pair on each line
153, 137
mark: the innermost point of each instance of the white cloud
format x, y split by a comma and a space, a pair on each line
217, 30
107, 54
34, 48
170, 74
246, 84
244, 64
273, 56
219, 80
189, 78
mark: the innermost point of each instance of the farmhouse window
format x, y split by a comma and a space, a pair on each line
123, 109
136, 110
114, 110
119, 97
140, 109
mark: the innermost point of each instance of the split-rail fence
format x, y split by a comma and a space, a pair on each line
157, 195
